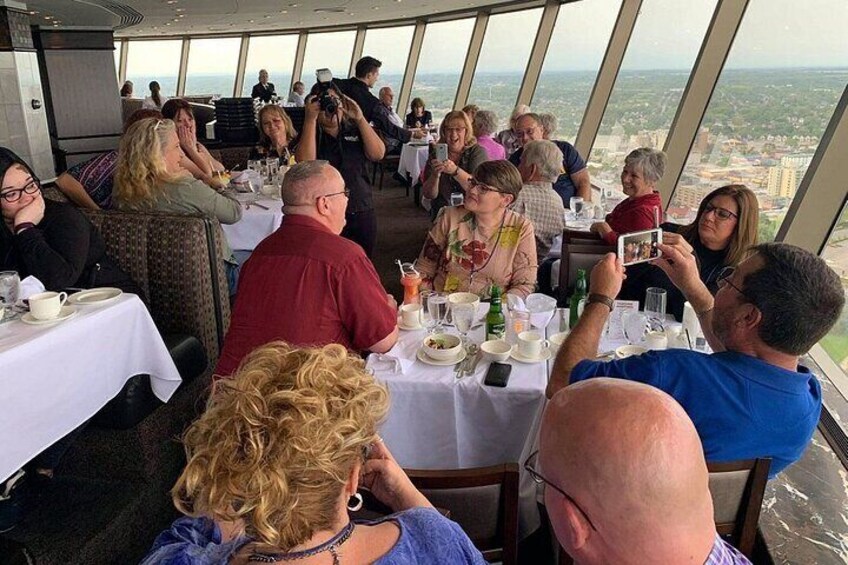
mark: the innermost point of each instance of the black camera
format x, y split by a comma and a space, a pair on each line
326, 102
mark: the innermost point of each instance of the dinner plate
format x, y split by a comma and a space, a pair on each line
65, 313
98, 296
546, 354
424, 358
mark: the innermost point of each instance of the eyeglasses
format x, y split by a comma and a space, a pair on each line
724, 278
483, 188
721, 213
346, 192
530, 467
528, 132
14, 195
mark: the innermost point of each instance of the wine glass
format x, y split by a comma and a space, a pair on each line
463, 316
655, 300
541, 308
437, 309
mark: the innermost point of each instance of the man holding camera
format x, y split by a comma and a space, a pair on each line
335, 129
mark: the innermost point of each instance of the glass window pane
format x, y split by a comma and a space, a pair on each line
391, 47
154, 60
440, 65
275, 54
327, 50
836, 254
781, 83
650, 84
503, 60
571, 65
212, 66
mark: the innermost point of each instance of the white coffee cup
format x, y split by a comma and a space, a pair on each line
410, 315
557, 340
46, 305
656, 341
530, 344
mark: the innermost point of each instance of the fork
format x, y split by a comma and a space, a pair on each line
468, 362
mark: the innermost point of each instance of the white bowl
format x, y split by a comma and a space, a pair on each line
451, 346
629, 351
496, 350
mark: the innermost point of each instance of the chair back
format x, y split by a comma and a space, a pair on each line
581, 237
484, 501
737, 489
577, 256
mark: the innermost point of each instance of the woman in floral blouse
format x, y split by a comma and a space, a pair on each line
471, 247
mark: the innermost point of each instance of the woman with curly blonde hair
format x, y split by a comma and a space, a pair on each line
277, 457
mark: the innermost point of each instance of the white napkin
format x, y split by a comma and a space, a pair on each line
30, 286
398, 359
515, 303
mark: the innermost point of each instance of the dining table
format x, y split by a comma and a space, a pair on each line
413, 159
261, 216
56, 375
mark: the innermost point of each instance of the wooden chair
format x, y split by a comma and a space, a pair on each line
581, 237
737, 489
484, 501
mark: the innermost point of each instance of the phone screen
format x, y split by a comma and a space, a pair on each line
639, 247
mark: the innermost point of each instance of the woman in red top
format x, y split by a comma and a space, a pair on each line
643, 168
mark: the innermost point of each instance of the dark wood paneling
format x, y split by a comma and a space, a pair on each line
15, 33
74, 39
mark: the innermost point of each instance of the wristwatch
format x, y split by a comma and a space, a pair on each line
600, 299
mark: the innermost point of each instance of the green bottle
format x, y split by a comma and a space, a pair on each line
495, 321
579, 294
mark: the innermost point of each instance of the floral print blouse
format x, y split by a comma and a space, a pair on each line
460, 256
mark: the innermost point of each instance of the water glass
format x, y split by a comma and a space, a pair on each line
273, 166
635, 326
655, 300
437, 309
576, 206
254, 165
463, 316
10, 288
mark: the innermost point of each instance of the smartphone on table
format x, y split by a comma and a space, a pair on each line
498, 374
640, 246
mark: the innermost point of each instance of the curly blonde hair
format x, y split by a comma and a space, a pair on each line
141, 166
278, 441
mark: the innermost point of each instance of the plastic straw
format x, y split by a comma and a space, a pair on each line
688, 338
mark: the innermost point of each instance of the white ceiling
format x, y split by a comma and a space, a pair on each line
131, 18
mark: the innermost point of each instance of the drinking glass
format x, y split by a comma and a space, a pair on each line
541, 308
655, 299
437, 309
635, 326
273, 165
254, 165
463, 316
10, 289
576, 206
426, 319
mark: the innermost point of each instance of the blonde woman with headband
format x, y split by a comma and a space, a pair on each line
149, 177
276, 461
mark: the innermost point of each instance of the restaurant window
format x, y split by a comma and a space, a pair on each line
118, 58
783, 78
574, 56
332, 50
835, 343
212, 66
650, 84
503, 61
275, 54
157, 60
440, 65
391, 47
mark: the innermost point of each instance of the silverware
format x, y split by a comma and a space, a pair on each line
471, 356
261, 206
479, 355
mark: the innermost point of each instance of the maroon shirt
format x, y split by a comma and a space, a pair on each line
633, 214
308, 286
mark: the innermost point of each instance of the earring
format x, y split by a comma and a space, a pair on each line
356, 505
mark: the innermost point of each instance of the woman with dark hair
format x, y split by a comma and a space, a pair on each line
276, 134
419, 117
720, 236
198, 161
155, 101
127, 89
483, 242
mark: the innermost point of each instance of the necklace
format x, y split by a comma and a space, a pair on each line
492, 254
332, 545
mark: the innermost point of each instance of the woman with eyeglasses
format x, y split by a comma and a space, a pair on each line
150, 177
443, 178
277, 460
52, 241
722, 232
483, 242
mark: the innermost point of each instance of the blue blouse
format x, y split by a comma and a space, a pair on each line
426, 538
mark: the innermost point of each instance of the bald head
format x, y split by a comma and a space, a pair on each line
315, 189
387, 96
631, 458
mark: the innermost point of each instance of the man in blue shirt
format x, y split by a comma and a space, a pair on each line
750, 398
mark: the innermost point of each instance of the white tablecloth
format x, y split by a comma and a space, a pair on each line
53, 378
255, 225
413, 159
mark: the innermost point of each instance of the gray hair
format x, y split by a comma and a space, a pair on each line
517, 112
651, 162
298, 176
546, 156
549, 124
799, 296
485, 123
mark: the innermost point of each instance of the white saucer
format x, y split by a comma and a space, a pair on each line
65, 313
98, 296
546, 354
424, 358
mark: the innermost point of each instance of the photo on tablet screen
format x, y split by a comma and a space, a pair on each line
639, 246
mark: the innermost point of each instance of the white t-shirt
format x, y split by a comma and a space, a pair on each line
149, 104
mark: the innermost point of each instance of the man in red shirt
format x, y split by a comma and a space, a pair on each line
307, 285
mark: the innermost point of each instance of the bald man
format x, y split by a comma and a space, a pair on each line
307, 285
387, 99
630, 461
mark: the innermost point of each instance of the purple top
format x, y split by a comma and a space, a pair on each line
426, 537
725, 554
494, 149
